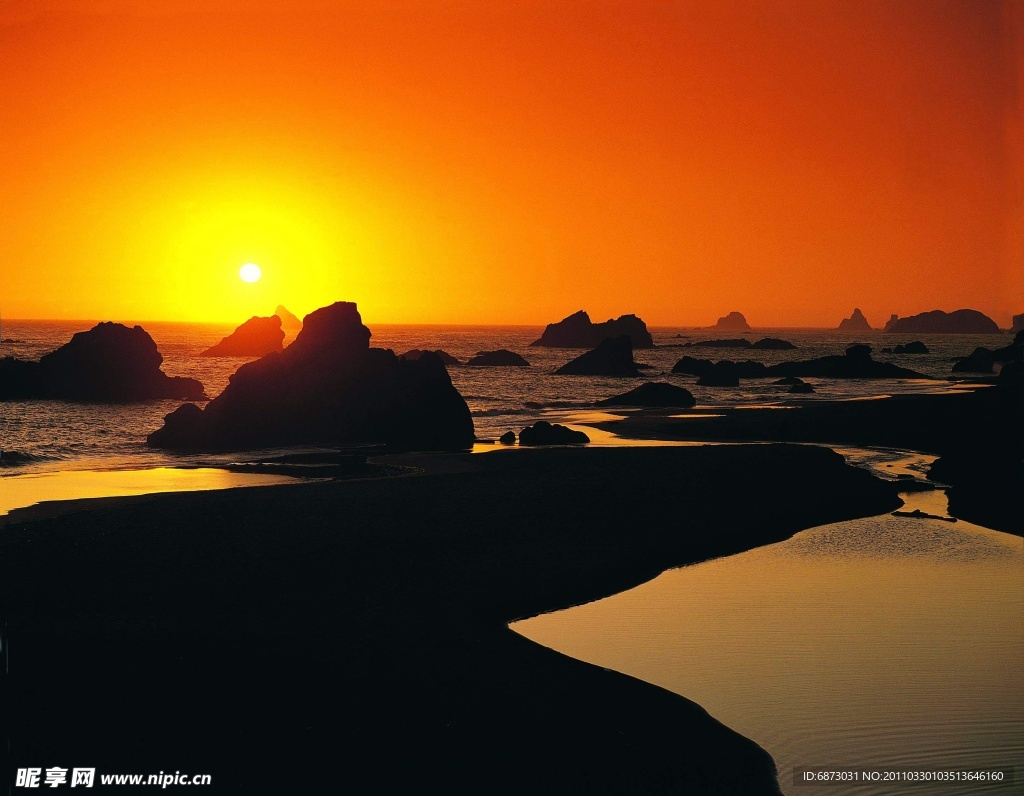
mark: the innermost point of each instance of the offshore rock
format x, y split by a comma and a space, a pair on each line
110, 362
855, 323
652, 394
502, 358
444, 356
734, 321
578, 331
612, 357
254, 338
544, 433
328, 387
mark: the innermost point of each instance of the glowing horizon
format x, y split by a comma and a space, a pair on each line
512, 164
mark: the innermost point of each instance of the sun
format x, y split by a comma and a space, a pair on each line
250, 272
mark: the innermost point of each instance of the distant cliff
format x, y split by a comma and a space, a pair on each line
939, 322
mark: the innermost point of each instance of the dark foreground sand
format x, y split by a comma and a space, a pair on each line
351, 637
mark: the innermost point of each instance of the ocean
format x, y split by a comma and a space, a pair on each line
43, 436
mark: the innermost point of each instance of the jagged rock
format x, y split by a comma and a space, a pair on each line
508, 438
734, 342
327, 387
544, 433
652, 394
445, 357
502, 358
772, 344
855, 323
254, 338
734, 321
612, 357
110, 362
939, 322
289, 322
578, 331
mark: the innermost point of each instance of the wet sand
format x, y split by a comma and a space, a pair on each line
353, 635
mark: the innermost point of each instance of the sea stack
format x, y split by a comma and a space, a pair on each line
733, 322
289, 322
578, 331
327, 387
254, 338
613, 357
855, 323
110, 362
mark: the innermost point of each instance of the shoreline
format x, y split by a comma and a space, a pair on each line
396, 625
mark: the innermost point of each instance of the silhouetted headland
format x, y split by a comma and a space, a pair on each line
263, 635
578, 331
110, 362
254, 338
327, 387
612, 357
939, 322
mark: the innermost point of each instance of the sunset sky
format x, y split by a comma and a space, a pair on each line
512, 162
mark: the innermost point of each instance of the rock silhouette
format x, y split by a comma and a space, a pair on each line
612, 357
578, 331
508, 438
1018, 323
444, 356
502, 358
982, 360
110, 362
772, 344
855, 364
289, 322
734, 321
855, 323
254, 338
939, 322
652, 394
801, 388
916, 347
544, 433
764, 344
327, 387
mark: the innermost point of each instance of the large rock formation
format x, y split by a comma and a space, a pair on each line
855, 323
254, 338
612, 357
652, 394
110, 362
502, 358
577, 331
327, 387
289, 322
939, 322
733, 322
982, 360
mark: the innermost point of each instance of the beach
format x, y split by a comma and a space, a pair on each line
356, 631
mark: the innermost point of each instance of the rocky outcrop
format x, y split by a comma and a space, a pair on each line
327, 387
916, 347
983, 360
612, 357
578, 331
855, 364
502, 358
1018, 323
772, 344
939, 322
110, 362
544, 433
254, 338
733, 322
444, 356
652, 394
508, 438
289, 322
855, 323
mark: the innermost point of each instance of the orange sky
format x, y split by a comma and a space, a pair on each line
511, 162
